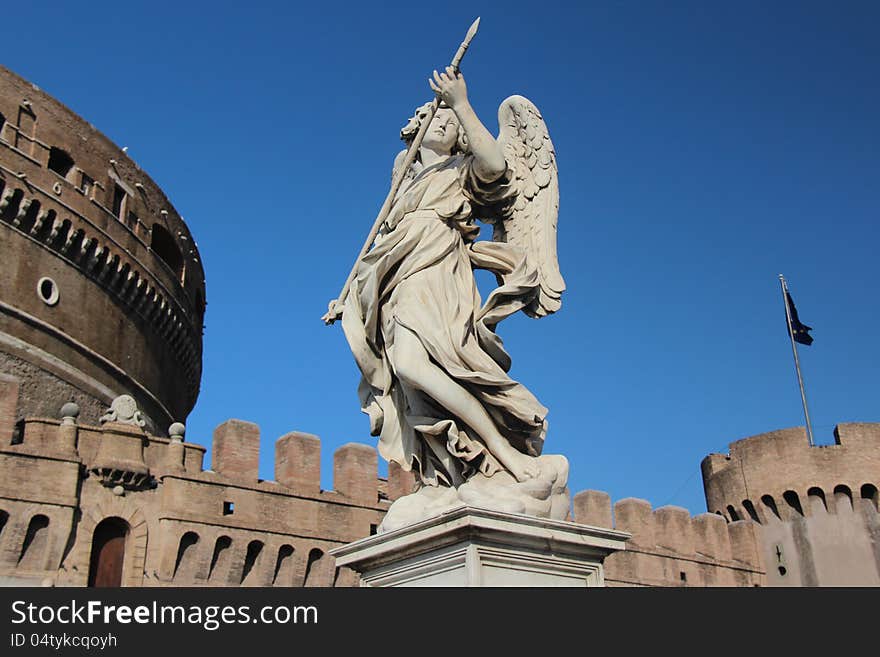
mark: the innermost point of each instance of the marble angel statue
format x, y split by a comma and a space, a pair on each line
435, 374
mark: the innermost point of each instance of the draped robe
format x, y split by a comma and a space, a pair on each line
419, 277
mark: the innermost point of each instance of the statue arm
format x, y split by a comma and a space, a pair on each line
489, 162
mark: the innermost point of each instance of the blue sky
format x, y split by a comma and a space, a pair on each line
703, 148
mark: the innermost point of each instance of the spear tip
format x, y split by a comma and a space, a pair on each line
473, 29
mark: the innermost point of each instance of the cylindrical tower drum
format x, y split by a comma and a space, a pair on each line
102, 291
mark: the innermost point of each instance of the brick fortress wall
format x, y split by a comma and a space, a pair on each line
817, 506
60, 479
669, 547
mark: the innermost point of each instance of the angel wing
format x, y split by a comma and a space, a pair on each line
531, 223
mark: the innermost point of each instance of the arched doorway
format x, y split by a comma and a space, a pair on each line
108, 553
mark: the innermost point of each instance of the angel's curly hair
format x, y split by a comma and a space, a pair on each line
414, 124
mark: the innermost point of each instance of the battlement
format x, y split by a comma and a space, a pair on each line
60, 479
817, 505
669, 547
235, 454
219, 527
297, 460
792, 442
779, 474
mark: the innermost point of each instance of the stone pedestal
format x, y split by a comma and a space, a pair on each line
476, 547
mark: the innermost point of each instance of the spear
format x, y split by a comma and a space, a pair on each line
411, 153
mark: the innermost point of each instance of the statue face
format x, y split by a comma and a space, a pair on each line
442, 133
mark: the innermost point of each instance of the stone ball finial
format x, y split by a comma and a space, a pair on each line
69, 411
177, 431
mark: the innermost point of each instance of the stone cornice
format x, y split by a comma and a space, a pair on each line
101, 259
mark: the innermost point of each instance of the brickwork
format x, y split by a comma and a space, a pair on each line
817, 506
9, 386
225, 527
236, 450
103, 291
298, 462
186, 526
354, 468
670, 548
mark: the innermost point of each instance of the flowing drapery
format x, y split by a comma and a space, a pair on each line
419, 277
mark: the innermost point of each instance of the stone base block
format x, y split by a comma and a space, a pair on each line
476, 547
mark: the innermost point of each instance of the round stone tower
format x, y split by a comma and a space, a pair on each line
102, 290
817, 506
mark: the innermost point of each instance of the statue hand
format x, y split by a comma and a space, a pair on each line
450, 87
334, 312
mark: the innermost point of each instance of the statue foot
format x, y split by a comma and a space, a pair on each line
522, 467
544, 495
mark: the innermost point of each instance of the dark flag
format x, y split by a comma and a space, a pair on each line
800, 332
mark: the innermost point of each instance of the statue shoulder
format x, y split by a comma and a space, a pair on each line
398, 162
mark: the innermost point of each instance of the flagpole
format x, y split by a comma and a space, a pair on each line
797, 363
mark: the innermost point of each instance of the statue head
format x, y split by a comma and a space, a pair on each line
439, 135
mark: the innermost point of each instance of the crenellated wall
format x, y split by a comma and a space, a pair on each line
62, 480
669, 547
817, 506
186, 526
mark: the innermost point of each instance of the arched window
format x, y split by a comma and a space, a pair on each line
2, 124
119, 197
283, 566
770, 503
254, 549
34, 545
163, 245
315, 568
186, 555
60, 161
843, 501
4, 517
108, 553
750, 509
220, 558
734, 516
794, 502
869, 492
816, 498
